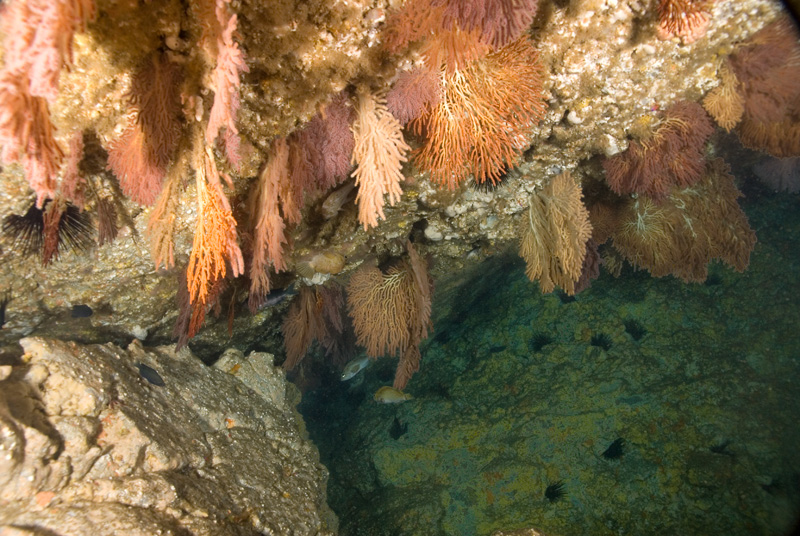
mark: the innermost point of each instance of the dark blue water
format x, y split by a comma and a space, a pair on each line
641, 406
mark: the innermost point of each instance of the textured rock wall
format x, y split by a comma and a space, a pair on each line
608, 75
101, 440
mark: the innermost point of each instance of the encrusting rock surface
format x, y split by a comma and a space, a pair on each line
100, 440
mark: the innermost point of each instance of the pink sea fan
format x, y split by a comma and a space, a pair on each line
339, 140
27, 135
73, 185
324, 147
225, 81
269, 235
141, 155
129, 157
500, 22
38, 40
413, 93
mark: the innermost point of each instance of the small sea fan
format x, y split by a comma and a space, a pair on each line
687, 19
499, 21
413, 93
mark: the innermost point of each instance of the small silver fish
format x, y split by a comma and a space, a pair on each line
277, 296
354, 367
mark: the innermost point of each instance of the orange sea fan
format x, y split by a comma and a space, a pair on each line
391, 311
725, 103
484, 118
215, 241
162, 222
553, 235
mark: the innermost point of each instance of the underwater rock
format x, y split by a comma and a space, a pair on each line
608, 71
92, 449
519, 532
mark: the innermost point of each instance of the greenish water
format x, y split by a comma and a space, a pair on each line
519, 391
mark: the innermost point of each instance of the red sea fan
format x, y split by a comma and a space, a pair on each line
339, 142
140, 156
321, 151
768, 66
328, 144
672, 156
768, 69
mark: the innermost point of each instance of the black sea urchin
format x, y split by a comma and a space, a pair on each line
555, 491
539, 341
634, 329
601, 340
73, 230
615, 450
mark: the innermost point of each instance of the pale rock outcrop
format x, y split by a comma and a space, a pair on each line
100, 440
